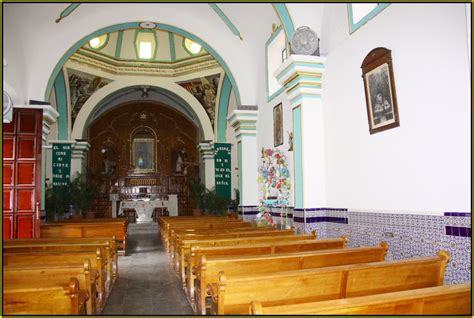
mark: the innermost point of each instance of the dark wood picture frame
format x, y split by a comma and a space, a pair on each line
278, 125
380, 93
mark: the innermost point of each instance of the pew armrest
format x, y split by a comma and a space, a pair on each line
212, 290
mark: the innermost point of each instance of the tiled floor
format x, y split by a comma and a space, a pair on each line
146, 285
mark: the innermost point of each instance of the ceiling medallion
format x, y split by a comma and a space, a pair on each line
147, 25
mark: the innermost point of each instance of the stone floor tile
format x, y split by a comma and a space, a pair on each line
147, 284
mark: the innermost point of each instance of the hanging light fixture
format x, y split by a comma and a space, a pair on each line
145, 92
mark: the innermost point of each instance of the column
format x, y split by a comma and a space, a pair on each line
206, 169
78, 156
301, 76
244, 123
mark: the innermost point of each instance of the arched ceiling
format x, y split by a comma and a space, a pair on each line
122, 46
38, 53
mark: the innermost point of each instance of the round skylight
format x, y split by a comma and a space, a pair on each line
98, 42
192, 47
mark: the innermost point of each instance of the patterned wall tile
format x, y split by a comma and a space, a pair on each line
408, 235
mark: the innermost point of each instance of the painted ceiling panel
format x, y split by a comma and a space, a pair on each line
180, 51
128, 49
109, 48
163, 53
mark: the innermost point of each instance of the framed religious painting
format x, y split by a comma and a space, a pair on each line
143, 155
380, 94
277, 125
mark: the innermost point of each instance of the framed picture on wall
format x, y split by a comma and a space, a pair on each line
380, 95
277, 125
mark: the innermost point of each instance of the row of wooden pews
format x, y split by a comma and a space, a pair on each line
66, 271
231, 268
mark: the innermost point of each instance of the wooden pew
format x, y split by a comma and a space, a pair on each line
96, 259
262, 248
177, 233
107, 246
39, 298
440, 300
233, 295
183, 257
185, 240
209, 267
23, 276
165, 223
203, 225
119, 230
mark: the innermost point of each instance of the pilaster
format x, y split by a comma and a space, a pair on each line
79, 156
302, 77
206, 169
244, 123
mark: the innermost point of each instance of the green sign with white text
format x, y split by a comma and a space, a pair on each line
61, 164
223, 169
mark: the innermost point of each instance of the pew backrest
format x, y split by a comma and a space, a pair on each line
234, 294
40, 299
439, 300
209, 267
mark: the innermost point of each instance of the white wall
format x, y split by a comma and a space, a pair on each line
423, 165
265, 121
14, 73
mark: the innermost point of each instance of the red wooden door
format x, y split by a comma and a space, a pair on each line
22, 174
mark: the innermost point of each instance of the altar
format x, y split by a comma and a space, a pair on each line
144, 208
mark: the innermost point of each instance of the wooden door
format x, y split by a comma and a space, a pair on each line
22, 174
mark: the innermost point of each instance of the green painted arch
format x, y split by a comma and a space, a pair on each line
131, 25
285, 18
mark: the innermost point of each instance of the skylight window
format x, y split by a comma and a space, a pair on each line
98, 42
192, 47
145, 50
146, 44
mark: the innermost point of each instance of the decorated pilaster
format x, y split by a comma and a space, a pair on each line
78, 157
206, 169
302, 77
244, 123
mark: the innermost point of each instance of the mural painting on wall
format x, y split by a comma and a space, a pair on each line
81, 87
274, 176
204, 89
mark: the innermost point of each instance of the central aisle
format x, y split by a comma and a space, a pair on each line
146, 284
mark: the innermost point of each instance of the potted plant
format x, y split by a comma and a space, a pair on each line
57, 200
215, 204
197, 192
83, 195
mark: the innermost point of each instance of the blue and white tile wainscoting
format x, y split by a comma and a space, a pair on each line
248, 212
408, 235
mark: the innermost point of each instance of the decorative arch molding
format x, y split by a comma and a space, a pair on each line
285, 18
84, 116
129, 25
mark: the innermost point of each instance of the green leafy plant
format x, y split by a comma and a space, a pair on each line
57, 201
215, 204
83, 193
197, 191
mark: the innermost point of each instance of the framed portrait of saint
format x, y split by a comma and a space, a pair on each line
278, 125
380, 95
